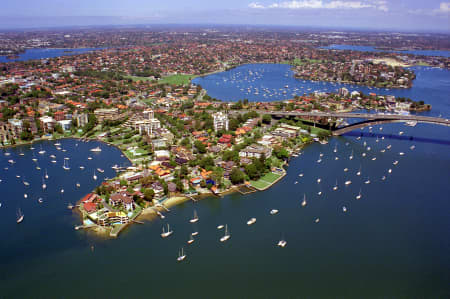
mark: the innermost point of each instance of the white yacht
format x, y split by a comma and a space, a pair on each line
335, 186
96, 149
195, 219
345, 169
344, 209
395, 162
304, 200
226, 236
191, 239
319, 180
19, 216
181, 255
273, 212
367, 181
348, 182
194, 233
251, 221
220, 226
281, 243
66, 167
317, 220
389, 170
167, 233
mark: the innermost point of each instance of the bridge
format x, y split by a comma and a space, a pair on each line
369, 119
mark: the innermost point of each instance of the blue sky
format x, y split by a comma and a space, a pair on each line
425, 15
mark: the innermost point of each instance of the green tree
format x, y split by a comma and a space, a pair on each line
149, 194
237, 176
266, 119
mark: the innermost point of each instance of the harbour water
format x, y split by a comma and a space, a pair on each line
392, 242
44, 53
373, 49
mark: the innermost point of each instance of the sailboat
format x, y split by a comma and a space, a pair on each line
226, 236
21, 153
220, 226
191, 239
181, 255
78, 185
41, 152
66, 167
335, 186
46, 174
345, 169
94, 176
336, 158
335, 149
44, 185
167, 233
19, 216
40, 200
412, 147
195, 219
395, 162
359, 194
194, 233
348, 182
390, 170
344, 209
368, 181
319, 180
304, 200
359, 171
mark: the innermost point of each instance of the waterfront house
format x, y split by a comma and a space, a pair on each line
255, 151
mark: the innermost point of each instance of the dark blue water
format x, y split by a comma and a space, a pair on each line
373, 49
31, 54
393, 242
432, 85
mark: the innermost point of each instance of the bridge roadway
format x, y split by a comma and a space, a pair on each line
368, 116
369, 119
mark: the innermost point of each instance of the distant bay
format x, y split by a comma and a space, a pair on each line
44, 53
373, 49
275, 82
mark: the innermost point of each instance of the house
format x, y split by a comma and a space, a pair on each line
255, 151
66, 124
158, 189
220, 121
90, 207
47, 123
82, 119
123, 198
111, 218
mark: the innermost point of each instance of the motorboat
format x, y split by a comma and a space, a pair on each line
273, 212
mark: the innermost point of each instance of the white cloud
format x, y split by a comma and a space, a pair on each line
444, 7
320, 4
256, 5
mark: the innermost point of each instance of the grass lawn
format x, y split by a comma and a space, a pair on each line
265, 181
136, 78
178, 79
